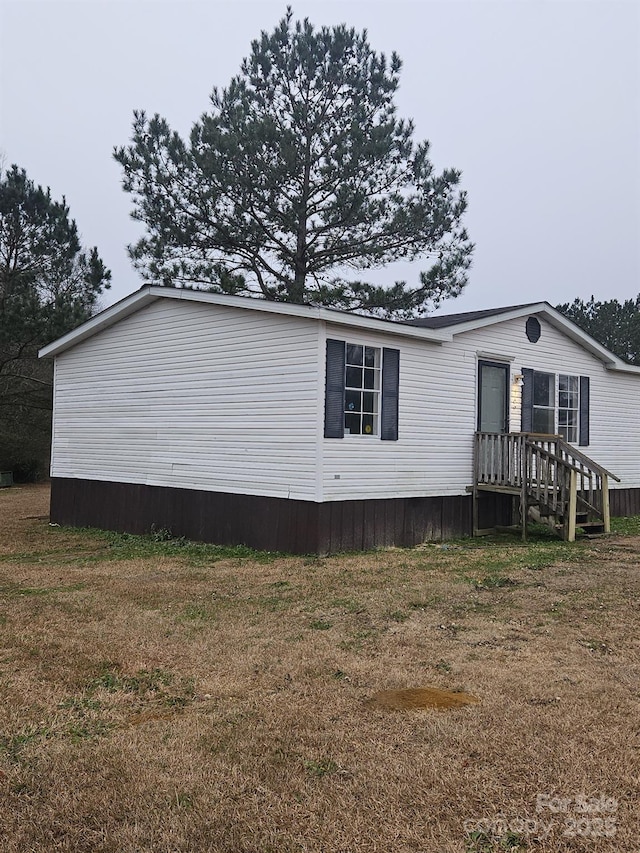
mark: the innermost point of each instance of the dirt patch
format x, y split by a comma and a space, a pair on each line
421, 698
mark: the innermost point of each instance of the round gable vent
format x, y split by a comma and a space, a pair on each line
533, 329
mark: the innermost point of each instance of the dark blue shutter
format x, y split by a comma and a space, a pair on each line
584, 412
390, 384
526, 423
334, 390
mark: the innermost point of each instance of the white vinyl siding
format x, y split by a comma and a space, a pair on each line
614, 412
435, 430
437, 413
223, 398
195, 396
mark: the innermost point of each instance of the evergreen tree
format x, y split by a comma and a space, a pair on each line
616, 325
48, 285
300, 176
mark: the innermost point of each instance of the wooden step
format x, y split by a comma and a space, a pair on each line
595, 526
592, 526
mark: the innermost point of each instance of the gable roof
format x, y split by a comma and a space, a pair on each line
446, 320
437, 330
151, 293
469, 320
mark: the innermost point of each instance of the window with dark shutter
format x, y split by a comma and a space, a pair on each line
334, 390
390, 384
361, 391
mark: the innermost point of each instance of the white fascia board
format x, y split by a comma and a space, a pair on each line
622, 367
117, 311
150, 293
556, 319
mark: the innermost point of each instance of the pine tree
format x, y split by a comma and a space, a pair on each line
48, 285
616, 325
300, 176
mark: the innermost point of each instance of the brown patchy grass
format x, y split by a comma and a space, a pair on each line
165, 698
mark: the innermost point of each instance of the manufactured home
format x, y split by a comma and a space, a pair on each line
309, 430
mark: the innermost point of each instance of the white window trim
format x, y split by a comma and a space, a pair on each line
575, 409
377, 391
556, 407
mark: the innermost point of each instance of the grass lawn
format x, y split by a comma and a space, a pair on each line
165, 696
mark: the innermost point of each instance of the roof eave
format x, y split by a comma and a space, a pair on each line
150, 293
314, 312
622, 367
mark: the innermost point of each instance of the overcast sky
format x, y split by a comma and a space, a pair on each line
537, 103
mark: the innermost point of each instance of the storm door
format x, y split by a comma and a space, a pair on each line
493, 397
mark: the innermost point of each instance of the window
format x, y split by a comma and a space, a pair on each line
361, 393
544, 402
568, 408
556, 404
362, 390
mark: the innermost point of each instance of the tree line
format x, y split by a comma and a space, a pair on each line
48, 285
297, 184
614, 324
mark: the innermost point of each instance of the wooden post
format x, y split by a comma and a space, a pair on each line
524, 484
605, 504
571, 509
476, 474
475, 511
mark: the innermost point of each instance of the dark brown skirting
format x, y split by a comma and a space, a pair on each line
278, 524
271, 524
624, 502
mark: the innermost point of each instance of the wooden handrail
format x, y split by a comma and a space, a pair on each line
571, 450
554, 456
586, 460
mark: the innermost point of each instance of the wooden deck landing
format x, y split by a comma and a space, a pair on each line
554, 483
